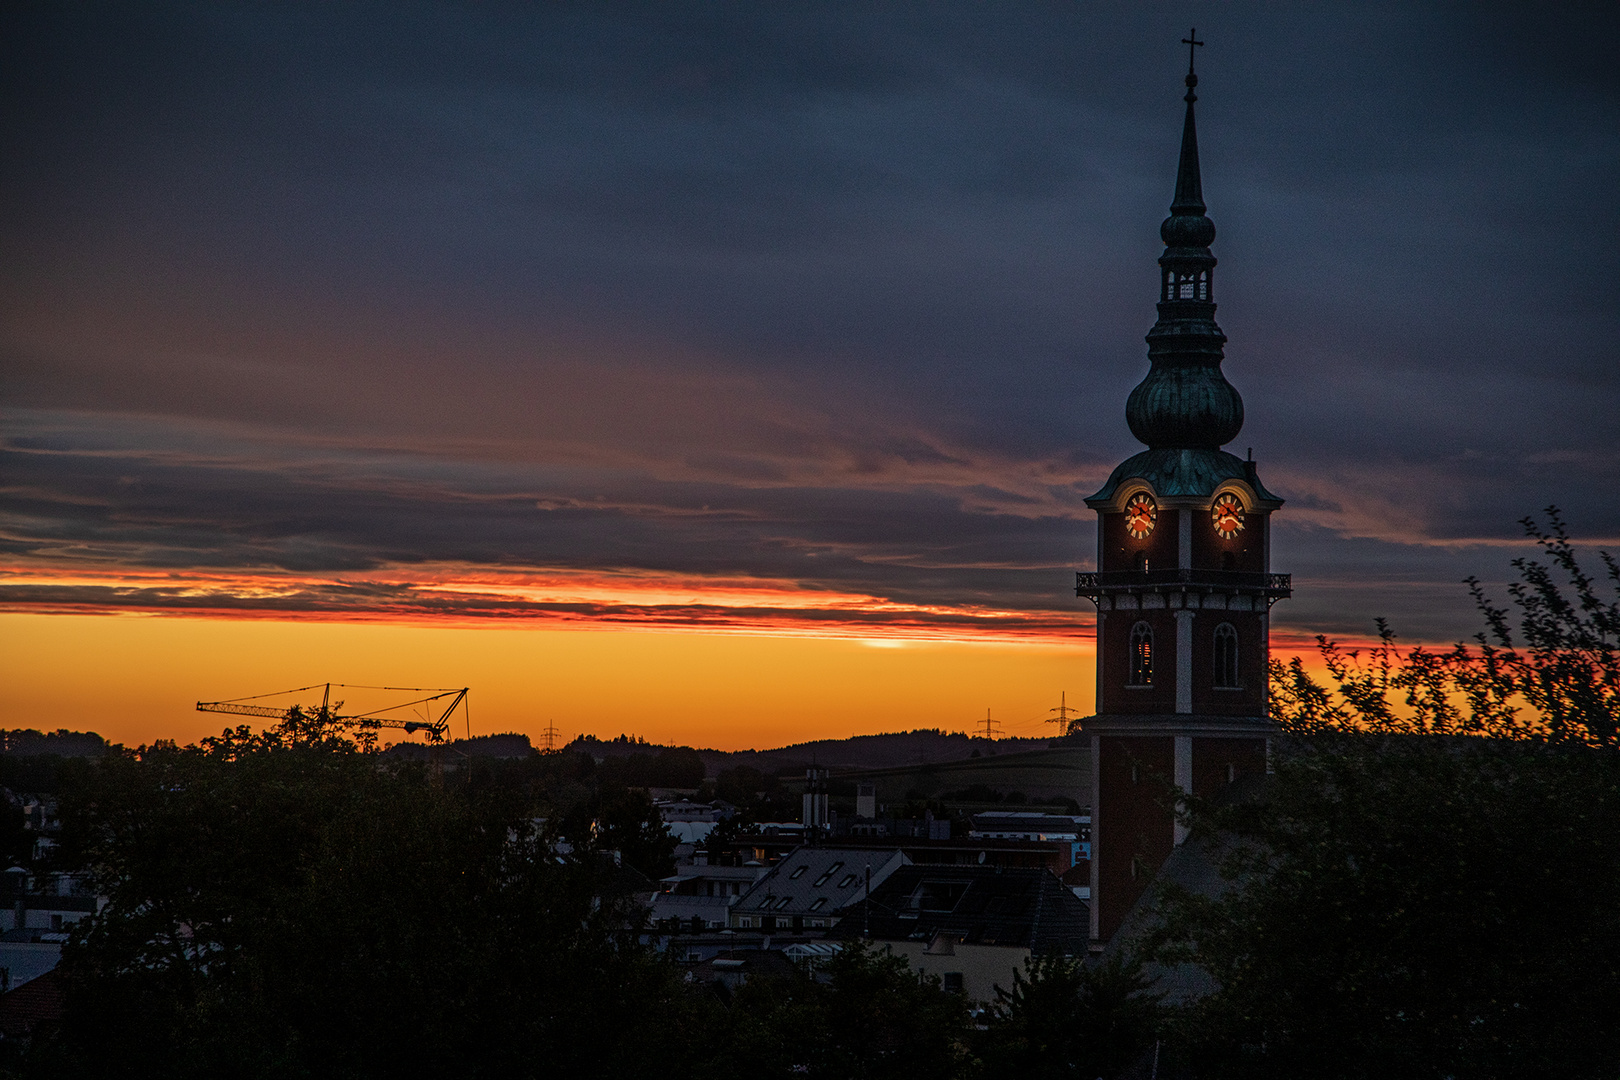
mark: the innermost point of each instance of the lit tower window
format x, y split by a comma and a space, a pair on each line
1141, 655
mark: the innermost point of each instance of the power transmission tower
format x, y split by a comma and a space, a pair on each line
1063, 719
549, 737
990, 725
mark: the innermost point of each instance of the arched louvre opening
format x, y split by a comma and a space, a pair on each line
1141, 655
1226, 657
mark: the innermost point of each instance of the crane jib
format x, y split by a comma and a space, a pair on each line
435, 728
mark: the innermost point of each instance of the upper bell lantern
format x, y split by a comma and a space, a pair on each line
1185, 401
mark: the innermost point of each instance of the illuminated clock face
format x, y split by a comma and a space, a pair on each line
1227, 514
1141, 514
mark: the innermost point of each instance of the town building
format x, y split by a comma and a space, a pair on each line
971, 926
811, 887
700, 897
691, 822
927, 827
43, 907
1033, 825
1183, 586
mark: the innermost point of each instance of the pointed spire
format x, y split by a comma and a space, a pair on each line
1189, 198
1187, 227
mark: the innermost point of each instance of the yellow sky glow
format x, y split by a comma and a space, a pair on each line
136, 678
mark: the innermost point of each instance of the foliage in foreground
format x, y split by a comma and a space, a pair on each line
1556, 680
284, 906
867, 1017
1408, 907
1408, 901
1067, 1020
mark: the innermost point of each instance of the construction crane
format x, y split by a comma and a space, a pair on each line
327, 711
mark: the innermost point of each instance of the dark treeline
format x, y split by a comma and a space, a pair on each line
672, 767
28, 742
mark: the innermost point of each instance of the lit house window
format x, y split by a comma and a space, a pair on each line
1226, 657
1141, 655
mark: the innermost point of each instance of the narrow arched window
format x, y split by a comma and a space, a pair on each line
1141, 655
1203, 286
1226, 657
1187, 287
1169, 286
1141, 562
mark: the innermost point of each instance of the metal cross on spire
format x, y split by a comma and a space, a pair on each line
1192, 43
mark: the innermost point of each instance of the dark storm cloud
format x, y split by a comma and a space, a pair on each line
841, 294
241, 504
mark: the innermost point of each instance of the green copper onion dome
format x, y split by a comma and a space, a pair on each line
1185, 403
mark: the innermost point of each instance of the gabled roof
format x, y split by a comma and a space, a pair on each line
817, 881
976, 905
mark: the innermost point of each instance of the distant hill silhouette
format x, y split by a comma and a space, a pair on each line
924, 746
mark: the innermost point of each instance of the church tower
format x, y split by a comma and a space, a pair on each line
1183, 584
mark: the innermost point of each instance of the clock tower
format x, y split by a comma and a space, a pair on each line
1183, 585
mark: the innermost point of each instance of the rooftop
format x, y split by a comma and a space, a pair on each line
818, 881
975, 905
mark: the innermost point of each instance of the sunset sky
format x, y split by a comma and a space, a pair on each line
732, 374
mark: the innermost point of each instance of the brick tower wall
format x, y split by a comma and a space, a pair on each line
1135, 823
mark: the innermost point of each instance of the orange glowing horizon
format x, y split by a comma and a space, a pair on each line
135, 676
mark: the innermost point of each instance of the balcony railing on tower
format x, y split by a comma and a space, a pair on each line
1093, 585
